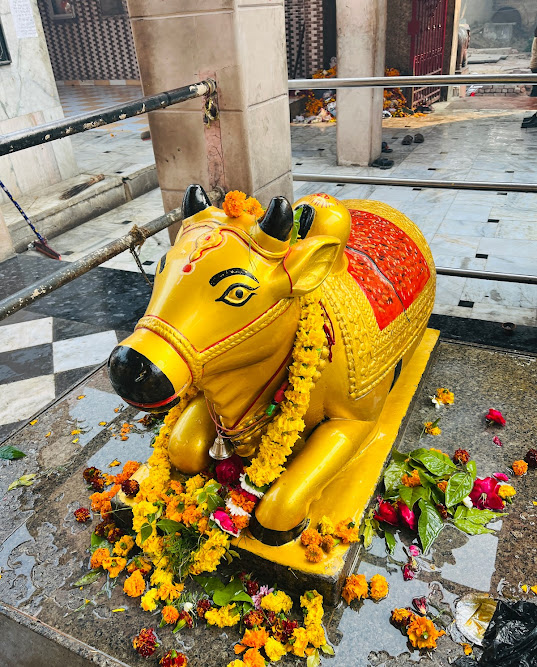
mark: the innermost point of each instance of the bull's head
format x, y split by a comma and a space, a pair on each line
224, 308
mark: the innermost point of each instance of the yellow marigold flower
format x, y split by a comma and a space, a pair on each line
124, 545
277, 602
236, 663
310, 536
300, 642
315, 635
134, 585
533, 589
355, 588
194, 483
224, 617
422, 633
314, 554
411, 480
98, 556
149, 602
442, 485
506, 491
114, 565
234, 202
255, 638
445, 396
161, 576
169, 614
401, 616
432, 430
139, 563
252, 658
468, 650
520, 467
326, 527
379, 587
274, 649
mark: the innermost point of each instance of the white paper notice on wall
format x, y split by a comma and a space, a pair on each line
23, 18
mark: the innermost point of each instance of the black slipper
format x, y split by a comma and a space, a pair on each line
386, 148
529, 119
418, 138
382, 163
530, 123
407, 140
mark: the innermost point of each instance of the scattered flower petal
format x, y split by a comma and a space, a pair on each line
501, 476
32, 423
414, 550
497, 441
114, 463
495, 416
78, 398
102, 423
47, 435
531, 458
118, 609
420, 605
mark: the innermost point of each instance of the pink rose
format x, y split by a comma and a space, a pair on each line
229, 470
225, 522
495, 416
407, 516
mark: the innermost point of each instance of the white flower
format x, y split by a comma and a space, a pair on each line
188, 606
436, 402
468, 502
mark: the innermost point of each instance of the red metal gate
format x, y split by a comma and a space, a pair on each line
428, 31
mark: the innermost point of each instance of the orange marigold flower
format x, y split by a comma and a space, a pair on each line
240, 522
139, 563
98, 556
347, 531
328, 543
128, 471
252, 658
310, 536
468, 650
401, 617
191, 515
114, 565
422, 633
134, 585
379, 587
314, 553
242, 501
445, 396
176, 486
520, 467
253, 207
411, 480
442, 485
145, 643
432, 430
169, 614
255, 638
234, 202
355, 588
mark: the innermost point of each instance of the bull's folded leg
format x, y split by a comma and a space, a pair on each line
328, 450
192, 437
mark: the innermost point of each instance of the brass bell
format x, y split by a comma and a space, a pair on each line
222, 449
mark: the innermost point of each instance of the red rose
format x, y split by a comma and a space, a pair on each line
407, 516
495, 416
485, 496
229, 470
387, 512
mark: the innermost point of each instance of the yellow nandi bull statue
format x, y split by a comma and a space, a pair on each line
223, 317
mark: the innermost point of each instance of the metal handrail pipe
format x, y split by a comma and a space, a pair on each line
416, 183
412, 81
70, 272
66, 127
487, 275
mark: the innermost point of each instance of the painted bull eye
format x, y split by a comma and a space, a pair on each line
237, 294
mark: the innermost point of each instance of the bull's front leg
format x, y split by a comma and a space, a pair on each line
327, 452
192, 437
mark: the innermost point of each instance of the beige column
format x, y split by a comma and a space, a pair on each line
240, 44
6, 247
361, 42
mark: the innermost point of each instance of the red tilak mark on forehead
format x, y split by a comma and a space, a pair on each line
187, 268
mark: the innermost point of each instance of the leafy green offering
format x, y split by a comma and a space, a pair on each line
9, 453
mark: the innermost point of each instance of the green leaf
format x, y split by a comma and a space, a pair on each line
435, 462
314, 660
210, 584
169, 527
296, 225
390, 541
420, 493
399, 457
25, 480
459, 486
214, 501
213, 487
146, 531
233, 592
393, 474
326, 648
426, 480
235, 554
406, 493
9, 453
98, 542
369, 529
472, 469
477, 516
88, 578
471, 528
429, 524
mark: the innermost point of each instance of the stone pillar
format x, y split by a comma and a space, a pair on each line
361, 42
240, 44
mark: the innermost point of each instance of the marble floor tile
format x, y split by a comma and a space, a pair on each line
449, 290
22, 399
499, 313
500, 293
516, 265
83, 351
460, 228
25, 334
501, 247
450, 245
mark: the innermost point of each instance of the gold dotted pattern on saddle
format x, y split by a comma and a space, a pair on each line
371, 353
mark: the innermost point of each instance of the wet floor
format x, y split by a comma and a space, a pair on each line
44, 551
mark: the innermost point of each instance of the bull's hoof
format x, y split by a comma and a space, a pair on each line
275, 538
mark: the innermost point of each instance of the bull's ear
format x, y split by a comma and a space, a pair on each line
194, 201
310, 261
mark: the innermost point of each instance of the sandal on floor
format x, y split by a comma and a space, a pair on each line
419, 138
530, 123
386, 148
407, 140
382, 163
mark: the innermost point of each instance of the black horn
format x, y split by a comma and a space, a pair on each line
194, 201
278, 219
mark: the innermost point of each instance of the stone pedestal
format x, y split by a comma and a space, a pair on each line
361, 38
240, 44
29, 98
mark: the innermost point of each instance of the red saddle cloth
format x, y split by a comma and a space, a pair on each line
387, 265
